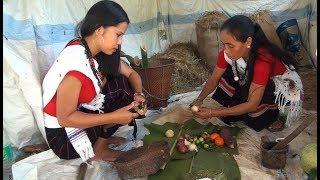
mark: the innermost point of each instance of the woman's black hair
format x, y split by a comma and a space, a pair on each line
242, 27
103, 13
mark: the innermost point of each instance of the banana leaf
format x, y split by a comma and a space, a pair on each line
313, 174
157, 133
218, 163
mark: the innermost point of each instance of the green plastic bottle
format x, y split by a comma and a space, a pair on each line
8, 161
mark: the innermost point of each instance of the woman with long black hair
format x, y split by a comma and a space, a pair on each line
88, 91
253, 79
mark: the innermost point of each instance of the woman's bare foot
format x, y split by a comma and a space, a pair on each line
278, 125
102, 152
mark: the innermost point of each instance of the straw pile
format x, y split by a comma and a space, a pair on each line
211, 20
268, 25
189, 72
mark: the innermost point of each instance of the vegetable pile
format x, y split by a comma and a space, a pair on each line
205, 141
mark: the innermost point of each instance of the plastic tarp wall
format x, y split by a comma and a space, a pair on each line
36, 31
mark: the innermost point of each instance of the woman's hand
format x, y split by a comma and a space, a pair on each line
196, 102
204, 113
139, 98
124, 116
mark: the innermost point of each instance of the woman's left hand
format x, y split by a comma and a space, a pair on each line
204, 113
141, 99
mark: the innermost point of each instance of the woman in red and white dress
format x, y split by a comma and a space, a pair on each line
253, 79
89, 89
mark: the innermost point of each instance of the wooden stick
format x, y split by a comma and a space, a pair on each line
264, 139
283, 143
174, 146
144, 56
36, 148
82, 171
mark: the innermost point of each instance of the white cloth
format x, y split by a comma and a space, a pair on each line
81, 143
241, 63
72, 58
287, 97
239, 68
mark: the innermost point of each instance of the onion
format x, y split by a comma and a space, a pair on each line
169, 133
187, 143
194, 109
193, 147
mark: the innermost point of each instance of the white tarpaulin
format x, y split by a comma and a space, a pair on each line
36, 31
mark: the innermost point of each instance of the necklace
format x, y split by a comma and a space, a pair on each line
238, 76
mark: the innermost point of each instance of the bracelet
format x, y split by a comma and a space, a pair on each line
139, 93
211, 112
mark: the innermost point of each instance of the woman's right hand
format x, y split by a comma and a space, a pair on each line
196, 102
124, 116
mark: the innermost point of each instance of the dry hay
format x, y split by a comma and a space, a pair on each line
268, 25
189, 70
211, 20
259, 16
189, 73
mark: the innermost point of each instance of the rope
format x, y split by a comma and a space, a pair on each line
153, 96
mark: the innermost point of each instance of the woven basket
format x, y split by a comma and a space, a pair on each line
142, 161
156, 80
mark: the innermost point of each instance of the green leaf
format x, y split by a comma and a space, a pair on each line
215, 164
157, 133
174, 170
178, 156
313, 174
